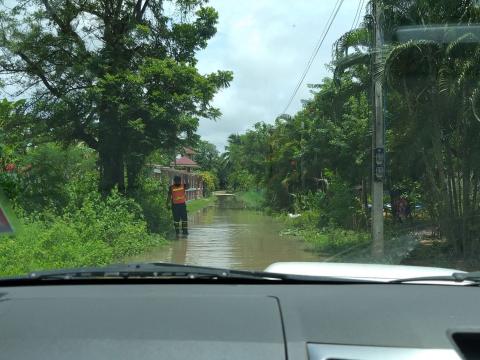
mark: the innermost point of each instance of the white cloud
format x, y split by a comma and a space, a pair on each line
267, 43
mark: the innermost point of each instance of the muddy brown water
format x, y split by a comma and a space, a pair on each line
231, 238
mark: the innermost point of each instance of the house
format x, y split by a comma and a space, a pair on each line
185, 162
183, 167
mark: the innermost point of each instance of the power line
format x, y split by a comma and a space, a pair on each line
312, 56
357, 15
360, 13
325, 31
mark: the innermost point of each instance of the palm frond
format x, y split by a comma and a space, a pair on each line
355, 38
393, 56
444, 79
348, 62
459, 43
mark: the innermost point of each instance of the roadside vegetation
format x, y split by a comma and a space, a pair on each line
253, 199
195, 205
87, 118
317, 163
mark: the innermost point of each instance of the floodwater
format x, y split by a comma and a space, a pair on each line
231, 238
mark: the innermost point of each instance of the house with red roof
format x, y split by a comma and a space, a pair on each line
183, 166
184, 163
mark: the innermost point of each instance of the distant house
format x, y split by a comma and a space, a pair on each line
183, 167
184, 163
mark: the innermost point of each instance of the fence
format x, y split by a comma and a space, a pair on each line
194, 181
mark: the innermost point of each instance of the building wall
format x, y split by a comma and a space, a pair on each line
194, 181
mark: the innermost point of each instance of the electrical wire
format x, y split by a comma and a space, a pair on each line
319, 44
357, 15
359, 20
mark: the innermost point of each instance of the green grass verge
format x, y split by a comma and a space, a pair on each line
252, 199
198, 204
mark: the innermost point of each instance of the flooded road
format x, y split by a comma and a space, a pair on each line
231, 238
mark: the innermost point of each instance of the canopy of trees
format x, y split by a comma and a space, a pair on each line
117, 75
432, 93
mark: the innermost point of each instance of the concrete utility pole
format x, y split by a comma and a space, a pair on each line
378, 154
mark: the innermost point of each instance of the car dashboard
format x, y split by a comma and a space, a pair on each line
236, 321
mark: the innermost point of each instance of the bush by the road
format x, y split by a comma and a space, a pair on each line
100, 232
254, 200
152, 196
328, 238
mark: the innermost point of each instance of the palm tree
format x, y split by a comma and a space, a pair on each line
438, 80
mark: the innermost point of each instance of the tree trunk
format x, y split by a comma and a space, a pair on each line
111, 150
111, 167
134, 167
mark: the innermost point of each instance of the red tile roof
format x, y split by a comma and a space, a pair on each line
185, 161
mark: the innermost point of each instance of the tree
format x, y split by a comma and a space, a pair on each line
207, 156
118, 75
433, 82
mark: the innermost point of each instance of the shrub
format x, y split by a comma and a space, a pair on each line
254, 200
335, 239
47, 170
210, 181
241, 180
100, 232
152, 196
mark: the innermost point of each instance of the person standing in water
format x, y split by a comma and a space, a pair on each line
177, 197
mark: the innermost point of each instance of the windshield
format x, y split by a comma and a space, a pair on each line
238, 134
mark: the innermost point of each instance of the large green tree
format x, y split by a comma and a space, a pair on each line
118, 75
207, 156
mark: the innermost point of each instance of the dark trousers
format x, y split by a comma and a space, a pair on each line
179, 212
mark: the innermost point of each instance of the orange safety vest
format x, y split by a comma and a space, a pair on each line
178, 194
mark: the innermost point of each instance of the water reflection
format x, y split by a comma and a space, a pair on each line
231, 238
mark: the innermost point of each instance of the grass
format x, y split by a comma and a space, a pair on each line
198, 204
252, 199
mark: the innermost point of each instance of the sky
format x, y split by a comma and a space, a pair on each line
267, 43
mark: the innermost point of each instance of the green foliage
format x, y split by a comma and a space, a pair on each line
432, 91
328, 239
210, 181
151, 196
254, 200
241, 180
335, 240
207, 156
54, 177
142, 74
341, 204
289, 158
100, 232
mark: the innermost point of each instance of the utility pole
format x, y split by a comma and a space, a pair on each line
378, 153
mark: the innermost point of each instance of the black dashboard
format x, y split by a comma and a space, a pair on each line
218, 321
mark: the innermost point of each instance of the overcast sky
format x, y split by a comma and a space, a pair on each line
267, 43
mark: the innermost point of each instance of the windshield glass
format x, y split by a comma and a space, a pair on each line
238, 134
